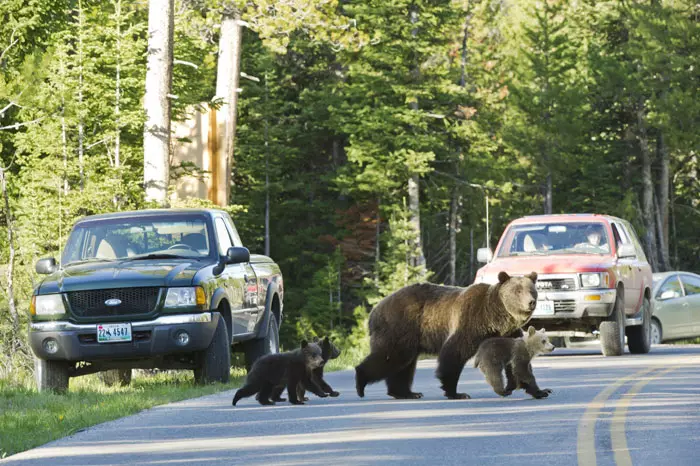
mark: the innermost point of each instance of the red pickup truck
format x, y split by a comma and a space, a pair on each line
592, 276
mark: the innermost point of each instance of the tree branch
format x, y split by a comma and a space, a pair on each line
25, 123
12, 42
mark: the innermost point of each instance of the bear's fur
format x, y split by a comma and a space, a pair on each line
273, 371
328, 351
514, 356
444, 320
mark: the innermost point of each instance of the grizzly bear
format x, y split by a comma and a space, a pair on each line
513, 355
273, 371
328, 351
444, 320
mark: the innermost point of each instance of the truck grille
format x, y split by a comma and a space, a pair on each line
564, 305
91, 303
558, 284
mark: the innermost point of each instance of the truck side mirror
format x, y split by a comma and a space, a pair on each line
237, 255
626, 250
46, 266
484, 255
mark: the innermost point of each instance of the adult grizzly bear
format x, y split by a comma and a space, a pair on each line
444, 320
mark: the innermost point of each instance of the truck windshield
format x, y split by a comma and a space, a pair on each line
131, 238
555, 238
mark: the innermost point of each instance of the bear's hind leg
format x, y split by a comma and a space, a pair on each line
375, 367
244, 391
494, 376
511, 381
265, 393
399, 384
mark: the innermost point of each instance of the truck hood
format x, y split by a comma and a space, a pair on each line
121, 274
551, 264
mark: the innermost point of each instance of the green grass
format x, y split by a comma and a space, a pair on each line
29, 419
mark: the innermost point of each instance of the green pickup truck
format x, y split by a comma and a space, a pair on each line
166, 288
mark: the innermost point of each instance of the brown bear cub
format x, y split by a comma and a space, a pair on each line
328, 351
445, 320
273, 371
513, 355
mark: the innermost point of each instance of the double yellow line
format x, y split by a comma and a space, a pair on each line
586, 428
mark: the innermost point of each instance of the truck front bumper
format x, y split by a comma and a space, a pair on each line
575, 304
78, 342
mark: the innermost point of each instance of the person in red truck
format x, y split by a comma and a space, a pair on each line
593, 276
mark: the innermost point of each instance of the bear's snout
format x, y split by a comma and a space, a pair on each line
532, 305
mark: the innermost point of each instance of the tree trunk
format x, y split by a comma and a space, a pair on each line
117, 90
156, 136
81, 110
417, 259
548, 193
377, 244
648, 190
662, 203
454, 226
11, 261
227, 78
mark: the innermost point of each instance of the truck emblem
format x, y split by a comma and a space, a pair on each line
544, 285
113, 302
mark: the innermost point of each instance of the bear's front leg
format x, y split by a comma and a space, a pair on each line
450, 365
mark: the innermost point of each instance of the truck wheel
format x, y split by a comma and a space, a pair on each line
214, 363
639, 336
120, 377
51, 375
270, 344
612, 330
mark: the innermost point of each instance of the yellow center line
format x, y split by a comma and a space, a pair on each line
585, 450
618, 435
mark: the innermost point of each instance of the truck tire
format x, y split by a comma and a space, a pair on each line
259, 347
612, 330
119, 377
214, 363
51, 375
639, 336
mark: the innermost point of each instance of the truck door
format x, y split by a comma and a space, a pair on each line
626, 270
253, 308
232, 281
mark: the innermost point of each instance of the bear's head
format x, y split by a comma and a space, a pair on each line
329, 350
537, 342
518, 295
313, 357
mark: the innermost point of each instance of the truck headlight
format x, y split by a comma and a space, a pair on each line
47, 305
594, 280
186, 297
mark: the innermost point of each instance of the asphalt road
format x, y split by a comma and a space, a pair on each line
642, 410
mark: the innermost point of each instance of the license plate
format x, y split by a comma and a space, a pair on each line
113, 333
544, 308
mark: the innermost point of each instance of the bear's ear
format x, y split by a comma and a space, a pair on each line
533, 276
304, 344
326, 340
503, 277
531, 331
542, 331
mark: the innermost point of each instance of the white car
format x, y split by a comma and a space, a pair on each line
676, 306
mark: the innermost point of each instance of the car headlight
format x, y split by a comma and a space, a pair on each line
594, 280
186, 297
47, 305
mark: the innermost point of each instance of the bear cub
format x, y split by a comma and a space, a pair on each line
273, 372
328, 351
513, 355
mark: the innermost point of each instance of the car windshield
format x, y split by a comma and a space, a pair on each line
555, 238
138, 238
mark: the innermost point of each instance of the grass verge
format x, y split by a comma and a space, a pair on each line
29, 419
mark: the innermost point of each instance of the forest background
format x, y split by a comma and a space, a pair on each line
377, 132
